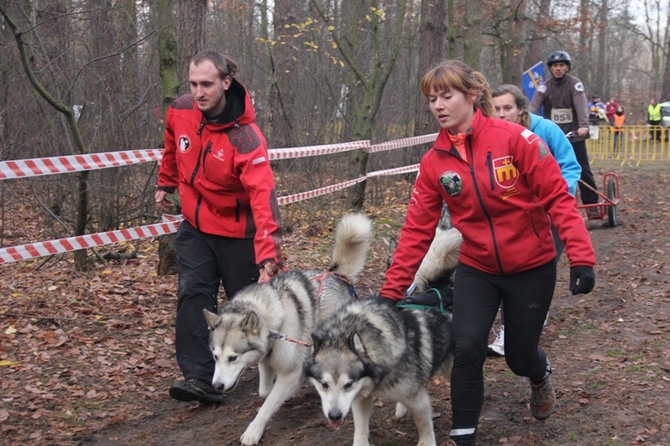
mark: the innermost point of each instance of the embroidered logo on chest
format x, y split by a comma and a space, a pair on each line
219, 154
506, 175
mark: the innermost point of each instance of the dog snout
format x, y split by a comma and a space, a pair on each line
335, 415
218, 386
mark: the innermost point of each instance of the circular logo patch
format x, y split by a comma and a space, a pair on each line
184, 144
452, 183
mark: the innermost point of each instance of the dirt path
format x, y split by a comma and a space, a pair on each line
106, 383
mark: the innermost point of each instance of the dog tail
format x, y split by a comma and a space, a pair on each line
441, 258
352, 240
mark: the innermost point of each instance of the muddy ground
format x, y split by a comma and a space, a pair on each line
87, 360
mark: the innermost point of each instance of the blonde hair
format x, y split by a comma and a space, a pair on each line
454, 74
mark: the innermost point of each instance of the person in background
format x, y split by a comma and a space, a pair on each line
617, 123
564, 101
511, 105
597, 113
503, 189
610, 108
654, 117
231, 234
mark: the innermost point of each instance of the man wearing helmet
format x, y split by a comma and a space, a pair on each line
565, 103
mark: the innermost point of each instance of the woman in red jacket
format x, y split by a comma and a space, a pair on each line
504, 190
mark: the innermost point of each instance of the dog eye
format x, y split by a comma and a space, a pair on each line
232, 358
216, 357
324, 385
348, 386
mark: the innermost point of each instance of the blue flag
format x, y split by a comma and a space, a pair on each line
531, 79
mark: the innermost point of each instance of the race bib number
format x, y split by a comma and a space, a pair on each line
561, 115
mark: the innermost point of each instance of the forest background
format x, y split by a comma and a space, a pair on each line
85, 358
83, 76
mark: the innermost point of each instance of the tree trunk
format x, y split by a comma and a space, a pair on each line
517, 42
536, 51
600, 83
370, 71
665, 94
190, 32
168, 53
432, 44
284, 72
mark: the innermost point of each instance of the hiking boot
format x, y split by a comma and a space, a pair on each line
497, 348
542, 399
195, 390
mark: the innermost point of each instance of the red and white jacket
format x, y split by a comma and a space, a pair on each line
223, 173
503, 199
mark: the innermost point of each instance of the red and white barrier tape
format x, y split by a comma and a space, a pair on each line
298, 152
75, 163
317, 192
394, 171
400, 143
32, 250
65, 164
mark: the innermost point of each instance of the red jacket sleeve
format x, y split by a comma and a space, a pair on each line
167, 174
418, 231
258, 180
544, 178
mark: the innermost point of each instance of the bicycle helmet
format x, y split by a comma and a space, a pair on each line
558, 56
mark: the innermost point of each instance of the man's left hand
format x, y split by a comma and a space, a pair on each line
268, 271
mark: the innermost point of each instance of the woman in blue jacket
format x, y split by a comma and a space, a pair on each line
512, 105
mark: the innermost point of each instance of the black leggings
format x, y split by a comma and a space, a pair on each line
477, 296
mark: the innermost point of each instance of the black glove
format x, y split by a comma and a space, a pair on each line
582, 279
383, 300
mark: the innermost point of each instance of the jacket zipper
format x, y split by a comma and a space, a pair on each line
237, 210
489, 164
481, 201
195, 172
204, 155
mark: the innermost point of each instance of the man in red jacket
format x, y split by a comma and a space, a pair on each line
217, 157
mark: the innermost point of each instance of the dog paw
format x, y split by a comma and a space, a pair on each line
400, 411
252, 435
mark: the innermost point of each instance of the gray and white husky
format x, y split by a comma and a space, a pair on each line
278, 317
369, 349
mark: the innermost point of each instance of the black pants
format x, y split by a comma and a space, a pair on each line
655, 130
477, 296
558, 245
205, 261
588, 196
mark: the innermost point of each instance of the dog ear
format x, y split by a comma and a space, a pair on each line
251, 323
316, 343
356, 344
212, 319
